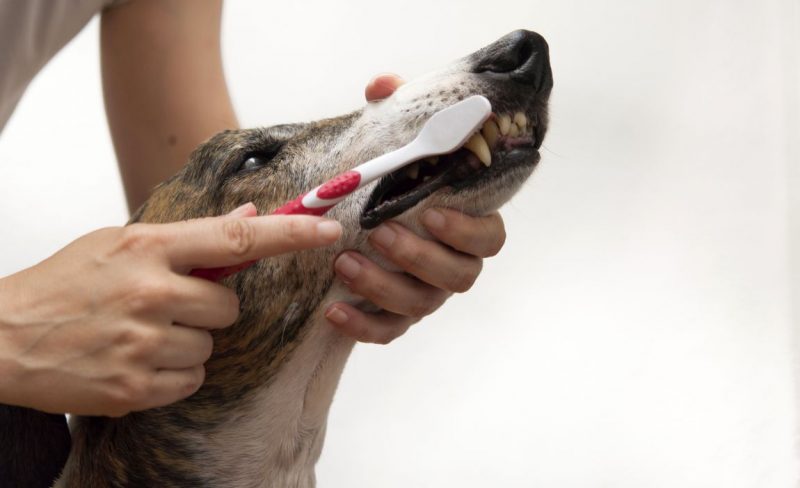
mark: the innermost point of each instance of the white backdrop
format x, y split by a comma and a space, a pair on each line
636, 331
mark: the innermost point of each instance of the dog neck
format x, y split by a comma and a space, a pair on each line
271, 437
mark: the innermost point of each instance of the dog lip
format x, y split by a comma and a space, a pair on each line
374, 215
520, 155
461, 174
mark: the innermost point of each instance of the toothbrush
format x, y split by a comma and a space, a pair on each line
444, 132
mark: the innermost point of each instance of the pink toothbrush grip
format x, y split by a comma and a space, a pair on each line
216, 274
340, 186
296, 207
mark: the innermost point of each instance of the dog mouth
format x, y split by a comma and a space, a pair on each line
504, 142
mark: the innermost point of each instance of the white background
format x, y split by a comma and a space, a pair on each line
638, 329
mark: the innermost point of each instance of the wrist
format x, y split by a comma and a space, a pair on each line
10, 325
9, 304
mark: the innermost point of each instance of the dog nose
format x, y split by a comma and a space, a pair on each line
522, 56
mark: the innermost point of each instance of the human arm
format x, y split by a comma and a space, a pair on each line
164, 86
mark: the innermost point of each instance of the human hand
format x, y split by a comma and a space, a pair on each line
436, 269
112, 323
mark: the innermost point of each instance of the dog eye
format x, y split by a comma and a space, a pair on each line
257, 160
253, 162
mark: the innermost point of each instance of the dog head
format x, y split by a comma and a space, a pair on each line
273, 165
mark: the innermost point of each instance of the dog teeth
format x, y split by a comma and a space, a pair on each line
500, 126
433, 160
477, 144
490, 132
521, 121
413, 171
504, 123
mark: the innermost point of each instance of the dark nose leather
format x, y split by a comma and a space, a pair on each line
522, 56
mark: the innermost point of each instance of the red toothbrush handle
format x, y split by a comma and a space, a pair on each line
337, 187
296, 207
216, 274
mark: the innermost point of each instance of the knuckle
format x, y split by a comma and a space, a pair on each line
136, 237
495, 245
488, 238
363, 334
131, 390
425, 306
397, 331
381, 337
409, 256
231, 307
116, 411
421, 309
239, 237
143, 341
294, 231
194, 381
463, 279
208, 346
378, 291
151, 295
462, 283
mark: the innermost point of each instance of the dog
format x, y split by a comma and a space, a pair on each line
259, 419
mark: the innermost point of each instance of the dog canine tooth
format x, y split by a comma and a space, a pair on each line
490, 132
477, 144
413, 171
504, 123
521, 121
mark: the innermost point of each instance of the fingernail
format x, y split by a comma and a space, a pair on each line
383, 236
347, 266
329, 230
336, 315
243, 210
433, 219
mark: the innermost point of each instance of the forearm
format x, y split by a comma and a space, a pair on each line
9, 347
164, 86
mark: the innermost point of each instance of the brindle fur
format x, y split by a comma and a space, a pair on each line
259, 419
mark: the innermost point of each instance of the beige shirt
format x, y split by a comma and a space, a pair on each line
31, 33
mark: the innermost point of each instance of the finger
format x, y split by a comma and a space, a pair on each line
382, 86
394, 292
226, 241
246, 210
478, 236
170, 385
377, 328
202, 303
183, 347
433, 263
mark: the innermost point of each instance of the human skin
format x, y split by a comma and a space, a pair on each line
112, 323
